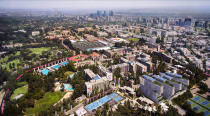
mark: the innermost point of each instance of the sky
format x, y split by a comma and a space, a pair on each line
103, 4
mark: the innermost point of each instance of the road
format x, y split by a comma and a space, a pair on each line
73, 109
180, 110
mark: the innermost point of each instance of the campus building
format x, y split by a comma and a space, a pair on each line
164, 57
168, 88
111, 53
140, 67
124, 67
102, 71
164, 86
98, 83
177, 85
146, 62
185, 82
155, 90
89, 74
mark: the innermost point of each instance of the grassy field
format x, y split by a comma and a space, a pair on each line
4, 59
133, 39
18, 91
39, 50
16, 62
22, 83
17, 53
48, 100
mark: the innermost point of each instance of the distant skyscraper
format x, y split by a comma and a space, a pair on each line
111, 13
99, 13
187, 22
104, 14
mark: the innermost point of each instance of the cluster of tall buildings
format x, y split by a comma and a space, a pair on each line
100, 13
162, 86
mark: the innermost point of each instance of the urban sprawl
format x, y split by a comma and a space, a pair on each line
104, 63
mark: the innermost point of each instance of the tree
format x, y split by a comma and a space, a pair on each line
116, 60
117, 72
203, 88
71, 67
158, 40
62, 87
98, 112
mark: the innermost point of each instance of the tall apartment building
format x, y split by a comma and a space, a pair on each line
140, 67
151, 88
146, 62
168, 88
124, 67
164, 86
100, 84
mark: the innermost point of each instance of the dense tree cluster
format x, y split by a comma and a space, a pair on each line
203, 88
181, 99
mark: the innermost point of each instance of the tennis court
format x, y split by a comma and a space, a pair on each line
92, 106
118, 98
199, 104
103, 100
197, 98
113, 95
204, 103
196, 108
206, 113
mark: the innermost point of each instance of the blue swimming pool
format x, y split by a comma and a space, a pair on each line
67, 87
45, 71
56, 66
64, 63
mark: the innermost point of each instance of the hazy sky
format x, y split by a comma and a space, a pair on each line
102, 4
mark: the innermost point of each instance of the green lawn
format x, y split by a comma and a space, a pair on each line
21, 83
17, 53
39, 50
4, 59
20, 90
48, 100
16, 62
133, 39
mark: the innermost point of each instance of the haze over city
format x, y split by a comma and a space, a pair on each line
104, 4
